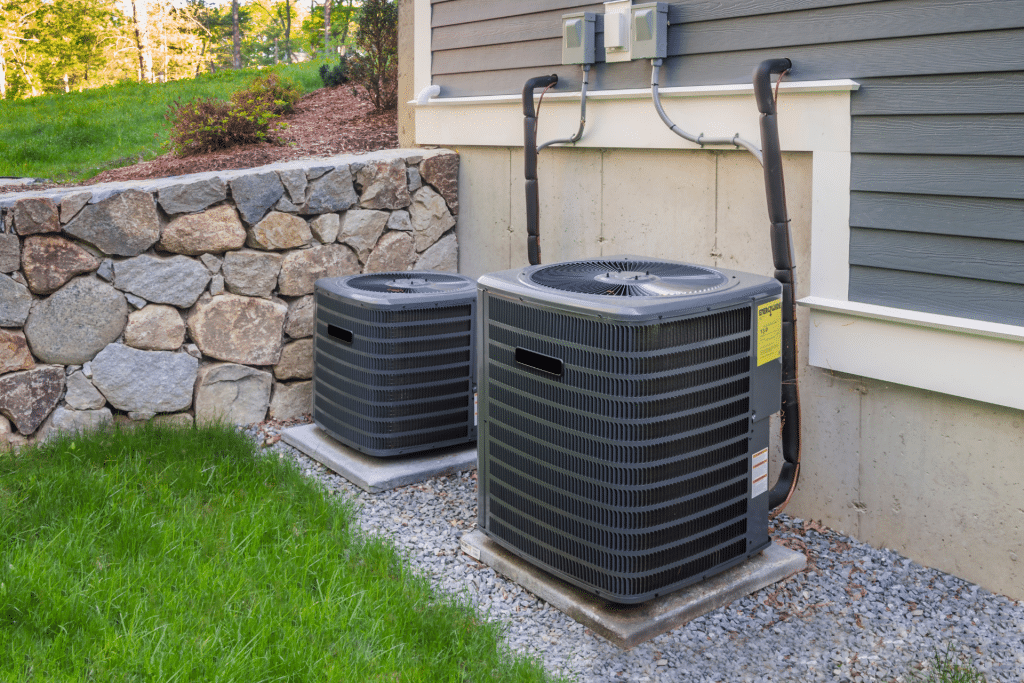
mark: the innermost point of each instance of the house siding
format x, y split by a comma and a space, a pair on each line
937, 140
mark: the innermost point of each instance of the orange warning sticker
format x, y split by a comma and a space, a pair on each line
759, 473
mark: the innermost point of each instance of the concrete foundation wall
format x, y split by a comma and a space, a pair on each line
935, 477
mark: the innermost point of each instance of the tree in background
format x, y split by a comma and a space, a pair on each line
69, 40
16, 17
375, 64
327, 26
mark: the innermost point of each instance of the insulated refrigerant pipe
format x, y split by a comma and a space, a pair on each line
782, 256
530, 168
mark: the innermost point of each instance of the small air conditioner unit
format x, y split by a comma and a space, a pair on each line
394, 361
624, 407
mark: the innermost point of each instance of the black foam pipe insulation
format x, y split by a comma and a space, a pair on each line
530, 168
782, 256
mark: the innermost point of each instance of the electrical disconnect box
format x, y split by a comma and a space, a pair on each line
616, 30
649, 31
578, 38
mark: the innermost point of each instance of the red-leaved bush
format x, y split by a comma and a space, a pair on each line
206, 125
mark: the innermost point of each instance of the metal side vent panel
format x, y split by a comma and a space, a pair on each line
395, 370
616, 454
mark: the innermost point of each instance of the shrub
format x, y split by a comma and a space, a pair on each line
334, 75
375, 64
205, 125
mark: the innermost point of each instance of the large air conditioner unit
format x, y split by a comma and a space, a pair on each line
394, 361
624, 407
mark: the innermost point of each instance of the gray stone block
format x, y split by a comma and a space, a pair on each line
377, 474
629, 625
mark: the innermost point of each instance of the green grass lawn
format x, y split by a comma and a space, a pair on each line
163, 554
74, 136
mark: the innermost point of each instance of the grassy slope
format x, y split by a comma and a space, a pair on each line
182, 555
74, 136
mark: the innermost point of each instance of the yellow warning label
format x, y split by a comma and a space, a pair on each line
769, 331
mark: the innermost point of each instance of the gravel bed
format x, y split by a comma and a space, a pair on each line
856, 613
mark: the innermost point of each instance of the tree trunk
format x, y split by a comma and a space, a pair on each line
327, 25
288, 29
140, 17
236, 38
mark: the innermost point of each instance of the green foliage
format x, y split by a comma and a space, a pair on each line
74, 136
162, 554
205, 125
950, 666
334, 75
375, 64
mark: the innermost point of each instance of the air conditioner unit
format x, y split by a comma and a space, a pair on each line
394, 361
624, 407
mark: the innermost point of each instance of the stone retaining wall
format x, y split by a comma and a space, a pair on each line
190, 297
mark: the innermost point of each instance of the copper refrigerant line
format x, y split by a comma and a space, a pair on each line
770, 157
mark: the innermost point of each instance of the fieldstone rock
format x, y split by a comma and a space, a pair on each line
14, 353
325, 228
141, 415
183, 420
394, 253
254, 194
294, 181
66, 421
106, 270
251, 273
302, 268
136, 302
193, 350
49, 262
443, 173
10, 252
155, 328
291, 400
285, 206
192, 197
123, 225
216, 285
238, 329
300, 318
71, 204
430, 217
35, 215
443, 256
400, 220
361, 230
314, 172
212, 231
27, 397
236, 394
296, 361
330, 193
279, 231
177, 280
385, 185
145, 381
212, 263
19, 278
6, 433
82, 394
76, 321
87, 369
414, 179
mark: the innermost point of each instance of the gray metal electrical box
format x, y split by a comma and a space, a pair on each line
578, 38
649, 30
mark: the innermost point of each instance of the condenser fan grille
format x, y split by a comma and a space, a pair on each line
629, 278
410, 283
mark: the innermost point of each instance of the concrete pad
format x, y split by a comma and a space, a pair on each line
629, 625
378, 474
